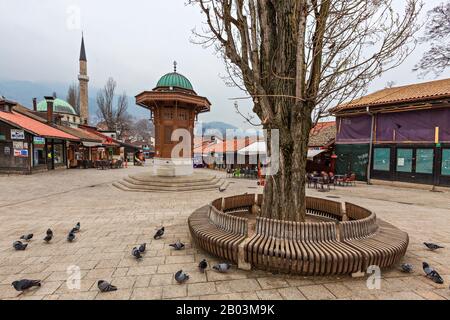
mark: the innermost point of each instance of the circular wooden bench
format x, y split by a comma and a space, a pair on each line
347, 239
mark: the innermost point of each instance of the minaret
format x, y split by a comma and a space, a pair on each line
83, 79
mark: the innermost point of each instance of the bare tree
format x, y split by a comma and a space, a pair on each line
117, 118
296, 58
73, 97
437, 59
143, 129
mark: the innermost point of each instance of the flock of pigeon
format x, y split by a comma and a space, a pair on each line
429, 271
136, 252
25, 284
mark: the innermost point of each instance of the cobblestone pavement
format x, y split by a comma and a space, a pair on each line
113, 222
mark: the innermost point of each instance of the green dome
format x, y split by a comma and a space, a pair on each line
175, 79
59, 105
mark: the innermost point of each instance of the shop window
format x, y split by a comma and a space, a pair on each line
58, 153
404, 160
424, 161
382, 159
38, 156
445, 162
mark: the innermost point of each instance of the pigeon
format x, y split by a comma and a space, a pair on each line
77, 227
407, 268
142, 247
432, 246
18, 245
432, 274
105, 286
74, 230
49, 232
48, 237
27, 237
203, 265
222, 267
24, 284
71, 237
177, 245
136, 253
159, 234
181, 277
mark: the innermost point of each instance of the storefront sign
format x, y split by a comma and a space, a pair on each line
7, 151
21, 153
38, 140
2, 137
17, 134
18, 145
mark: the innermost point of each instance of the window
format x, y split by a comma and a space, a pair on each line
424, 161
404, 160
445, 162
168, 114
58, 153
382, 159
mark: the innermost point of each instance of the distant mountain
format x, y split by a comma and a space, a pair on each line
24, 91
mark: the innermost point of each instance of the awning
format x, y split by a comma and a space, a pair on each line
314, 153
258, 147
91, 144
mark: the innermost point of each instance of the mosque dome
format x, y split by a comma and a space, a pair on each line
59, 106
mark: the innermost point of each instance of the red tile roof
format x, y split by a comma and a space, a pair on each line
419, 92
35, 127
106, 141
323, 134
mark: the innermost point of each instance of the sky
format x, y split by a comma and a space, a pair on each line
135, 42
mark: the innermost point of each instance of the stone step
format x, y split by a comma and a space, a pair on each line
123, 185
168, 183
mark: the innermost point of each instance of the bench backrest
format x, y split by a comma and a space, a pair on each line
302, 231
227, 222
240, 201
357, 229
324, 207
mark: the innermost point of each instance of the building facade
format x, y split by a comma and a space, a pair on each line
397, 134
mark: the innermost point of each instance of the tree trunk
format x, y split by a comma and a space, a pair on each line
284, 192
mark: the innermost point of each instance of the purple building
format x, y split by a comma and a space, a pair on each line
397, 134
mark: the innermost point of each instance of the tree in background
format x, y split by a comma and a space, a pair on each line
115, 118
437, 33
295, 58
142, 129
73, 97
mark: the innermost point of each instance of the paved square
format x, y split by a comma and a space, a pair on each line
113, 222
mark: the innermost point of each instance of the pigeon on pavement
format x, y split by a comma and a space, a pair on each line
49, 232
432, 274
432, 246
105, 286
71, 237
142, 247
159, 234
77, 227
181, 277
27, 237
136, 253
177, 245
203, 265
18, 245
25, 284
407, 268
222, 267
48, 237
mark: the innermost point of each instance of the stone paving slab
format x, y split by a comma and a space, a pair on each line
113, 222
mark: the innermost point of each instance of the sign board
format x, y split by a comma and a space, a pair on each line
38, 140
100, 149
18, 145
7, 151
400, 162
21, 153
2, 137
17, 134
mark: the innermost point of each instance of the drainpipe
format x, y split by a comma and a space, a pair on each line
369, 165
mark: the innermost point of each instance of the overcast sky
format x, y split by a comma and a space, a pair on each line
134, 41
